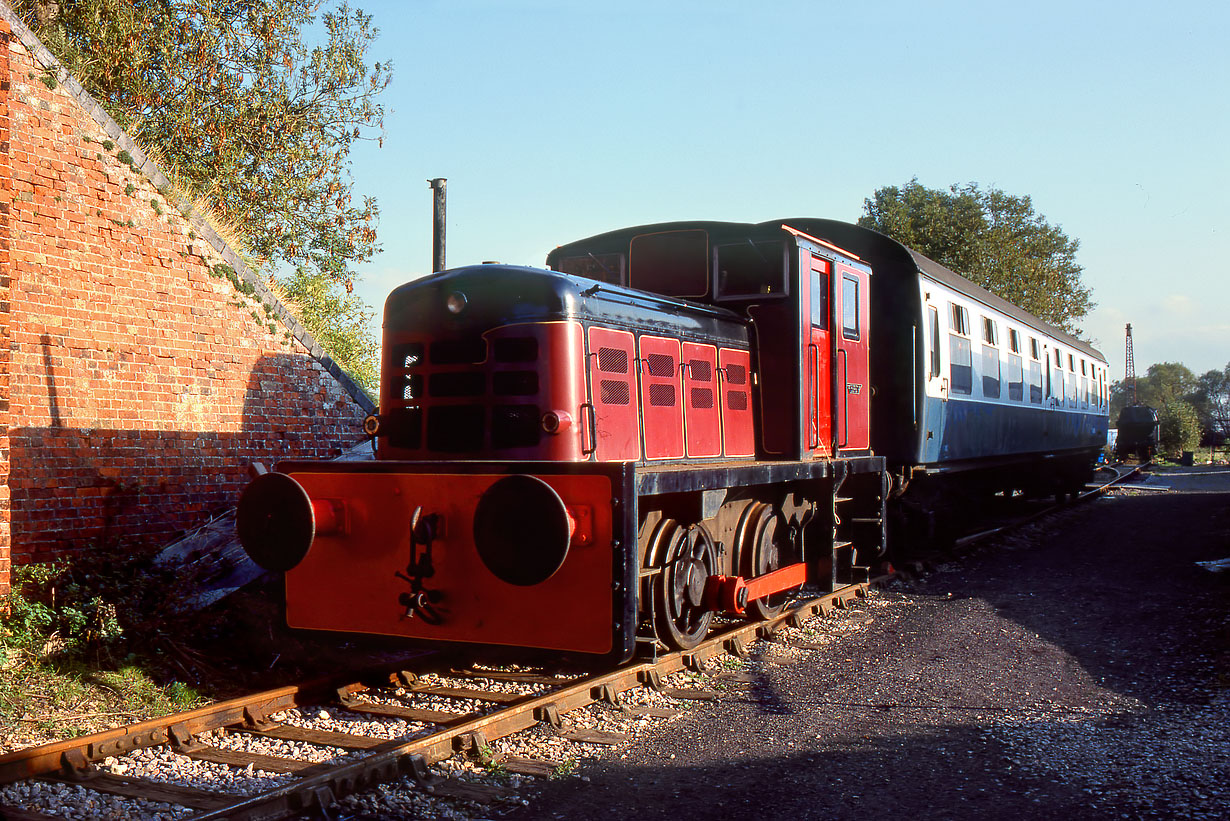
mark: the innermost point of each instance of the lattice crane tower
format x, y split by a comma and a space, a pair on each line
1129, 372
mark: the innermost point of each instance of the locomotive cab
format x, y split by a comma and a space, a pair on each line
807, 303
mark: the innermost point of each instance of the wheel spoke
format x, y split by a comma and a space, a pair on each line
687, 561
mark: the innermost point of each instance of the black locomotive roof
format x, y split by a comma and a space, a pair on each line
509, 293
889, 259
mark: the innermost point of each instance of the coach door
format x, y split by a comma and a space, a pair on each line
817, 376
852, 361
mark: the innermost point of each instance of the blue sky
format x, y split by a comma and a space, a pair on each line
555, 120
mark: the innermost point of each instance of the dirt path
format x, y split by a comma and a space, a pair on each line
1068, 671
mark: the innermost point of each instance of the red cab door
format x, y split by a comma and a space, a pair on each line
817, 377
852, 363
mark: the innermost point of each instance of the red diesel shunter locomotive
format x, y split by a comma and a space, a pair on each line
605, 454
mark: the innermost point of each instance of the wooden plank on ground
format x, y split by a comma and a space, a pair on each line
652, 712
150, 790
18, 814
409, 713
469, 791
515, 676
537, 767
323, 738
736, 678
471, 693
593, 736
690, 695
235, 758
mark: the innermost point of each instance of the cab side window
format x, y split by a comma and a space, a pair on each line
849, 308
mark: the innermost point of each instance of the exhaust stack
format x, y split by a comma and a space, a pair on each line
438, 213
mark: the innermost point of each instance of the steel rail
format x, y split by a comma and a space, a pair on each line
1024, 520
323, 784
413, 756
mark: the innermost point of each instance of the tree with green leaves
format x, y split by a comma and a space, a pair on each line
1211, 399
1178, 425
245, 112
1163, 383
994, 239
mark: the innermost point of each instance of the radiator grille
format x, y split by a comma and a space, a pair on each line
515, 383
612, 360
455, 428
614, 393
515, 426
700, 370
660, 364
701, 398
662, 396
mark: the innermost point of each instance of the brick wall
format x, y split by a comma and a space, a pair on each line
5, 335
140, 378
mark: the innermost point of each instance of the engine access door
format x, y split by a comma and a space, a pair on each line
852, 363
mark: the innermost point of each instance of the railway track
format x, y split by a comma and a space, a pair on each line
407, 721
465, 714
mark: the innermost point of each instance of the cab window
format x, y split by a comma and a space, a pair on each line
750, 269
849, 308
673, 263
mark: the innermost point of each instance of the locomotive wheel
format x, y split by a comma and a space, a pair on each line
764, 548
688, 560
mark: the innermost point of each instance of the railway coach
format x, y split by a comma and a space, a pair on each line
674, 421
973, 395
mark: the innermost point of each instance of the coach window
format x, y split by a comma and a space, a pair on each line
960, 320
990, 359
935, 342
1070, 385
1058, 385
849, 308
1016, 369
960, 354
751, 269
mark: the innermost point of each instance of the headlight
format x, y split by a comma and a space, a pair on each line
456, 302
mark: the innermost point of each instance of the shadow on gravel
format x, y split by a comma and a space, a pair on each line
1117, 587
1068, 670
936, 775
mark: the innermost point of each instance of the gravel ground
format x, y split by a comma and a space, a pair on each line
1074, 669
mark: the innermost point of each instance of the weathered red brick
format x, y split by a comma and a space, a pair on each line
133, 388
